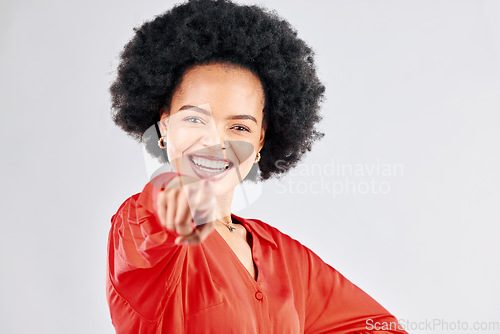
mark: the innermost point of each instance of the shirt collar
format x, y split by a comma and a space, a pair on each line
255, 228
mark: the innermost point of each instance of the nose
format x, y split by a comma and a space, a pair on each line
215, 136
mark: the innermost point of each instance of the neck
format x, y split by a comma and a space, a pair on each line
223, 206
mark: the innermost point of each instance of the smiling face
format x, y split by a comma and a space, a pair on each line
214, 126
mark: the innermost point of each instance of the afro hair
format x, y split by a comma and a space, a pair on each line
198, 32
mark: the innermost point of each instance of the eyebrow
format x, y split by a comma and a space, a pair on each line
195, 108
208, 113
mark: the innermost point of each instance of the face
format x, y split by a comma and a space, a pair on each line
214, 127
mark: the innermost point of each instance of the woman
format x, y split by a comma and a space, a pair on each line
227, 87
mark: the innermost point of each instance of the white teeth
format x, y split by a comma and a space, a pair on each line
210, 164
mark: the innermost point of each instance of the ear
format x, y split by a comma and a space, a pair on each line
262, 136
164, 112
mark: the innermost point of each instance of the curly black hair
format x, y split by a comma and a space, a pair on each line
153, 62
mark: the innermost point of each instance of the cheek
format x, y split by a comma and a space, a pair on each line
245, 167
178, 141
240, 173
243, 149
246, 156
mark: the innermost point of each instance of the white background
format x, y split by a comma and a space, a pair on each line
409, 83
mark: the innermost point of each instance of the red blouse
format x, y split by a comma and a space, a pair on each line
155, 286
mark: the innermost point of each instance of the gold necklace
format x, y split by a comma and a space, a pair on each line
228, 225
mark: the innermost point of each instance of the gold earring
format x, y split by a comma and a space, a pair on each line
257, 158
161, 143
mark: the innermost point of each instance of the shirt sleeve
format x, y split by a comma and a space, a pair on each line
335, 305
141, 257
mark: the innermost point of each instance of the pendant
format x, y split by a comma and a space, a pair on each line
229, 227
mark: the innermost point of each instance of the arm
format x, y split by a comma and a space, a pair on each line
141, 256
335, 305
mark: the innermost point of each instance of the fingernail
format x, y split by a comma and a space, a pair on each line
186, 242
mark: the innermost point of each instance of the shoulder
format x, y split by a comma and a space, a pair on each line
295, 254
127, 202
284, 242
273, 231
144, 201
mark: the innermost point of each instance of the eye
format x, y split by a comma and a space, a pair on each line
193, 119
241, 128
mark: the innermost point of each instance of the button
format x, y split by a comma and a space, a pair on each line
259, 295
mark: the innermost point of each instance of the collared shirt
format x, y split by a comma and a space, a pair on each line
155, 286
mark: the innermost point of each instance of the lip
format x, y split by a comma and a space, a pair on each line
207, 173
210, 157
